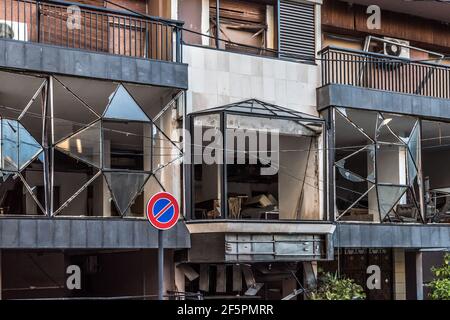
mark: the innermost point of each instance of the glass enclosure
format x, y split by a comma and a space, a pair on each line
77, 147
257, 161
377, 167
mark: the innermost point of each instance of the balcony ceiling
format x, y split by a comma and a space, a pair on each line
430, 9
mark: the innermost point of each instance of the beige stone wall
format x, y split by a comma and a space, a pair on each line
399, 275
219, 77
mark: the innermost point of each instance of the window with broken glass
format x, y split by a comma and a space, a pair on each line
76, 147
377, 167
256, 161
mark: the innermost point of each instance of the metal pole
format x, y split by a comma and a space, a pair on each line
217, 23
160, 265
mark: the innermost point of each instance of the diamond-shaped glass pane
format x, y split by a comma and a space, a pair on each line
388, 196
122, 106
125, 186
84, 145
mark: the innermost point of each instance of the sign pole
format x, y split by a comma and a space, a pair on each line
163, 212
160, 265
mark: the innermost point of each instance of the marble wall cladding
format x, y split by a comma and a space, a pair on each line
219, 77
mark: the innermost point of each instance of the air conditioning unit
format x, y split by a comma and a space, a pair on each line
396, 48
13, 30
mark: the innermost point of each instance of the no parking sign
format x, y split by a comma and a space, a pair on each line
163, 210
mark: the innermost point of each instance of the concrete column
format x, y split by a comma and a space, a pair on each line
419, 276
399, 275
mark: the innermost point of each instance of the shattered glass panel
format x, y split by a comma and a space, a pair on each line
400, 125
125, 186
413, 155
365, 120
122, 106
358, 164
348, 136
10, 150
84, 145
388, 196
29, 148
384, 132
349, 175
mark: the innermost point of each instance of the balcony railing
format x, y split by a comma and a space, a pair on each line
381, 72
91, 28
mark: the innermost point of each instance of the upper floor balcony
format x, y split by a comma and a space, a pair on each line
90, 28
387, 73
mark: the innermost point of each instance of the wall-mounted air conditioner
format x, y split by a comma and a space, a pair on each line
396, 47
13, 30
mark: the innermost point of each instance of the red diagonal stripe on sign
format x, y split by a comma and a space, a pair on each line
167, 207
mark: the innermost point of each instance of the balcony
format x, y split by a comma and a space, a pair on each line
90, 28
380, 72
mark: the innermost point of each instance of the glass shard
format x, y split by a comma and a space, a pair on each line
122, 106
125, 186
413, 154
84, 145
384, 133
361, 163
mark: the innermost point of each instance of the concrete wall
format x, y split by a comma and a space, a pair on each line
219, 77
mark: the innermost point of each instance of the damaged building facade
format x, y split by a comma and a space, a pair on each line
92, 102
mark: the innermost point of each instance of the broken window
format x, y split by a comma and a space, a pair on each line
241, 25
435, 154
376, 166
100, 143
271, 169
247, 281
244, 25
21, 152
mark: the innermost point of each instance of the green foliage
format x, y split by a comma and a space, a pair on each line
440, 286
332, 287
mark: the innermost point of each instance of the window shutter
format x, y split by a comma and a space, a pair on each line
297, 29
